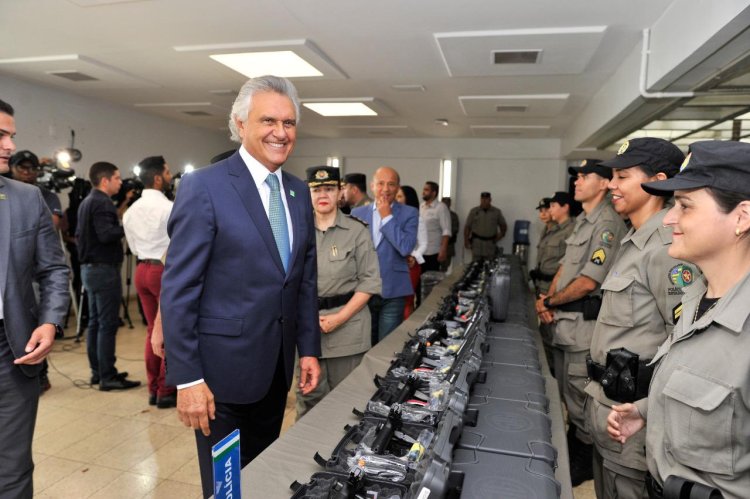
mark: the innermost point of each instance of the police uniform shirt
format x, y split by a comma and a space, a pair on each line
640, 303
347, 262
699, 401
551, 248
485, 223
590, 251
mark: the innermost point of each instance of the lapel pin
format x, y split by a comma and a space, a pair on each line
291, 193
2, 196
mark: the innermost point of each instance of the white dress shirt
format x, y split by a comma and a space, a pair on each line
419, 249
437, 219
145, 225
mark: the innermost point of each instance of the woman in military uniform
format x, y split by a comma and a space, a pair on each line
639, 297
348, 274
698, 408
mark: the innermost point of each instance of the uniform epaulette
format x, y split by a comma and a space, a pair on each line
358, 220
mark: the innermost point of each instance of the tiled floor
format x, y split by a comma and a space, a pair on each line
109, 445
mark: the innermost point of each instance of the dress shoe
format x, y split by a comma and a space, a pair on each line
44, 383
167, 401
151, 399
581, 459
118, 384
122, 375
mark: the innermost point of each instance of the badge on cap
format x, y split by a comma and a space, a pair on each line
584, 162
623, 148
321, 175
687, 160
599, 257
676, 313
681, 275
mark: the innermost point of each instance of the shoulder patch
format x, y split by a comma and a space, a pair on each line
681, 275
676, 313
358, 220
599, 257
607, 237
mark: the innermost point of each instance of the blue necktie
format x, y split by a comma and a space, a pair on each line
277, 217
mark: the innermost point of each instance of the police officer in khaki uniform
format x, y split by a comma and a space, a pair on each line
550, 252
348, 274
698, 408
640, 300
485, 225
574, 300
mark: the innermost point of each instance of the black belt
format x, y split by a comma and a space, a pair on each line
597, 371
538, 275
329, 302
676, 487
482, 238
100, 264
588, 305
152, 261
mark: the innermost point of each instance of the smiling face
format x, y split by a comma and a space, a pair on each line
385, 184
270, 131
627, 195
700, 230
7, 132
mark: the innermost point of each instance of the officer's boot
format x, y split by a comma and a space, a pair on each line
581, 459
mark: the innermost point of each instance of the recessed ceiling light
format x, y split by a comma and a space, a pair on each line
441, 122
280, 63
340, 108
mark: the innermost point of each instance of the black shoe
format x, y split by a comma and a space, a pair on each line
167, 401
581, 461
44, 383
122, 375
118, 384
151, 399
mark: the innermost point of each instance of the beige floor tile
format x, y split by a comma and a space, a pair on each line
89, 448
51, 470
138, 447
128, 486
85, 481
67, 435
189, 472
168, 459
169, 489
585, 491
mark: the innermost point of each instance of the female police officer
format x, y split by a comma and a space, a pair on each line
348, 274
640, 293
698, 409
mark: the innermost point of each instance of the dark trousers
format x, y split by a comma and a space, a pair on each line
386, 314
148, 286
259, 424
430, 263
104, 290
19, 400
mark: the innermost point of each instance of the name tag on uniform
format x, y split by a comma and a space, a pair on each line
226, 458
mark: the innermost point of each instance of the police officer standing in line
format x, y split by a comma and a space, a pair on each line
550, 250
640, 305
348, 275
698, 408
354, 190
574, 299
485, 225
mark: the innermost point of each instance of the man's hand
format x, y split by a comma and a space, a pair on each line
383, 206
442, 255
624, 421
309, 374
157, 339
195, 406
467, 244
545, 315
411, 261
39, 345
329, 323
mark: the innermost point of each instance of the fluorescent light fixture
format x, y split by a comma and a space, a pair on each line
446, 174
333, 161
340, 108
280, 63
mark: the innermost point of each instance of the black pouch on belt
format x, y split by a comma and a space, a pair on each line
620, 375
591, 306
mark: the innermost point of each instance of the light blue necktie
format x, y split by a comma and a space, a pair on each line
277, 217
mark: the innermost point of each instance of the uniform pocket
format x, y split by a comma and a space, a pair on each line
698, 426
617, 301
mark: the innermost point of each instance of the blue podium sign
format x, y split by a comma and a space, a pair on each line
226, 458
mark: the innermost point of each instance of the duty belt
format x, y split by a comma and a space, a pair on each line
538, 275
588, 305
329, 302
641, 379
676, 487
482, 238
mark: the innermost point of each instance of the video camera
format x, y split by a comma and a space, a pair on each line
129, 184
53, 176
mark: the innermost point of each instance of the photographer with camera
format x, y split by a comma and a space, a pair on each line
99, 236
145, 225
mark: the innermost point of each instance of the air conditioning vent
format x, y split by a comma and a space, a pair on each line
511, 109
196, 113
73, 76
516, 56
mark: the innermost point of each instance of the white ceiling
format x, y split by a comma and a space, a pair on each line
153, 55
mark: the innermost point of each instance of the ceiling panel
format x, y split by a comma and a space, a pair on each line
504, 106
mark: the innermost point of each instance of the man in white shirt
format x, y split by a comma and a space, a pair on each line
437, 219
145, 225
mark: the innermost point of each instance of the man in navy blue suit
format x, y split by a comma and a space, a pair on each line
394, 232
239, 291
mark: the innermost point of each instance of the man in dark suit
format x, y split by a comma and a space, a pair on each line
394, 232
29, 250
239, 291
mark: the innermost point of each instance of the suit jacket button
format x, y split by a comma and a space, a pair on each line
281, 320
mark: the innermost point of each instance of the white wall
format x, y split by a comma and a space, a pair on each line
104, 132
518, 172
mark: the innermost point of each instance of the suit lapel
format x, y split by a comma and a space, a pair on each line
295, 213
5, 201
244, 184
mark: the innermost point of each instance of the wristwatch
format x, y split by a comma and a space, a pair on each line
546, 304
